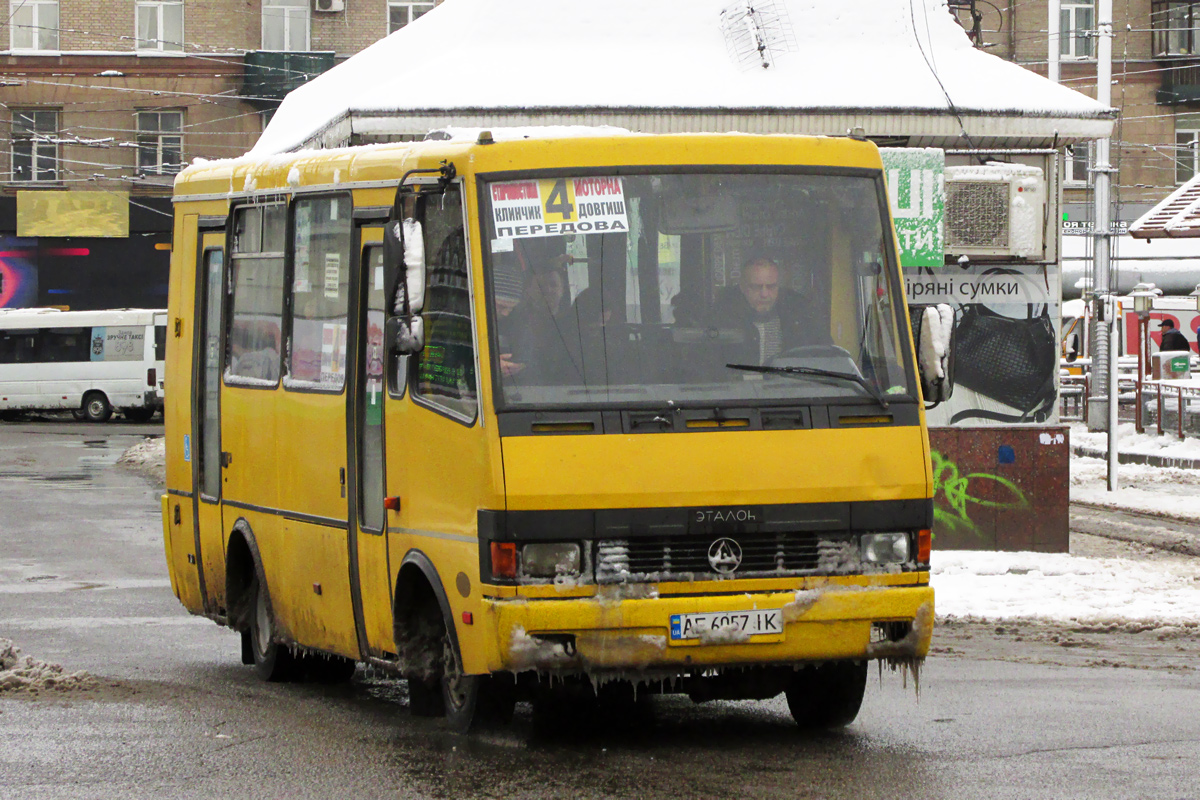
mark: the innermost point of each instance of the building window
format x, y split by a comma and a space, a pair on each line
35, 145
285, 25
402, 12
160, 142
34, 24
160, 25
1176, 28
1077, 22
1186, 149
1078, 163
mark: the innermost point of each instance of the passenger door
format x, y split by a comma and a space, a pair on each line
369, 551
206, 414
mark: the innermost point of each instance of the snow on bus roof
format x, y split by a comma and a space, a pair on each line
592, 61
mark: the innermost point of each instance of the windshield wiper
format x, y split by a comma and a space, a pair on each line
823, 373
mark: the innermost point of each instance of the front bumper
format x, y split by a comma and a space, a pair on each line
610, 634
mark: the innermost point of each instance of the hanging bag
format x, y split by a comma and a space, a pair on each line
1012, 361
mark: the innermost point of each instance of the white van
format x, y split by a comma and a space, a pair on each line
87, 361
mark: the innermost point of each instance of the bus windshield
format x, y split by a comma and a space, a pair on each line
696, 289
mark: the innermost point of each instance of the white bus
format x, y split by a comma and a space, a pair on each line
90, 362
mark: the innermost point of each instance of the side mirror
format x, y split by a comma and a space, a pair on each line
1073, 347
404, 262
404, 258
405, 335
935, 352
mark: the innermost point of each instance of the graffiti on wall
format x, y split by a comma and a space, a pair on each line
957, 496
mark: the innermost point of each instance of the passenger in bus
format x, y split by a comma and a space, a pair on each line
507, 288
773, 317
253, 353
533, 342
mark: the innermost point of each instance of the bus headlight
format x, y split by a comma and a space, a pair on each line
550, 560
884, 548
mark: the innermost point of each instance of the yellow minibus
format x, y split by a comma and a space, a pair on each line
511, 410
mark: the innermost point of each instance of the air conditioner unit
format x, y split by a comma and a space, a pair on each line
995, 210
329, 6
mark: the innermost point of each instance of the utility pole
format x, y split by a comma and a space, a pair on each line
1105, 358
1055, 7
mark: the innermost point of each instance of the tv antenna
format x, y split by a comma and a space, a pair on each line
757, 32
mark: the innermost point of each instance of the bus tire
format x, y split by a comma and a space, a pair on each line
475, 702
827, 695
96, 407
272, 661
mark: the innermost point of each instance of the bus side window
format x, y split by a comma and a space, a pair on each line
445, 369
18, 347
320, 293
56, 345
256, 295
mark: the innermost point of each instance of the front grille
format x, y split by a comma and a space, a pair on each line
771, 554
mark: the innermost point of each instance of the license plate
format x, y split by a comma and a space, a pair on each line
727, 627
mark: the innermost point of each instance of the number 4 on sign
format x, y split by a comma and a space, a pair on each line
560, 202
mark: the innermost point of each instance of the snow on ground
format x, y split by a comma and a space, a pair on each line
1057, 587
1169, 491
1129, 441
1089, 591
27, 674
148, 456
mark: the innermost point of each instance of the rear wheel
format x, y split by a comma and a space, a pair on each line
828, 695
96, 407
272, 661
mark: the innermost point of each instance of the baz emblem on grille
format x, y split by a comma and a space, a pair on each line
725, 556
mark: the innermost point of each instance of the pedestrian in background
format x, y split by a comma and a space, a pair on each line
1172, 339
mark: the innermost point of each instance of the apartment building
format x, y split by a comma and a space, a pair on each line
1156, 85
103, 101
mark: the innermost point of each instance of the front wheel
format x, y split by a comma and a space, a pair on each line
828, 695
272, 661
474, 702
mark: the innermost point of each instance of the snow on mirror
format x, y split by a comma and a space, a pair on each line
406, 332
696, 289
935, 352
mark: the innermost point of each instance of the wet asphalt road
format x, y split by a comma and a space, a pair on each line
174, 714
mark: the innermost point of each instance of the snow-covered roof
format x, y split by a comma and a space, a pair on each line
1176, 217
894, 67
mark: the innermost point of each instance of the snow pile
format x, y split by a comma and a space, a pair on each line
26, 674
1064, 588
148, 456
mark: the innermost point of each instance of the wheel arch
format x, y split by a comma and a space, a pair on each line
243, 563
416, 579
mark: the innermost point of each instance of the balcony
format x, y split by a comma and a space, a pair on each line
1180, 85
269, 75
